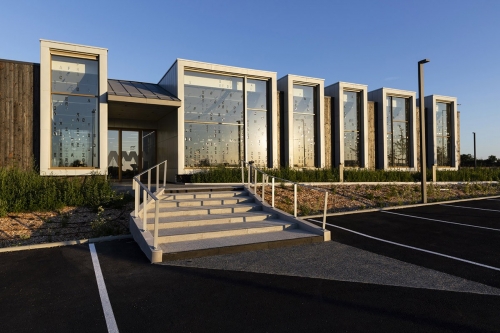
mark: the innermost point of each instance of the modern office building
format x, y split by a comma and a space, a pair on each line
67, 116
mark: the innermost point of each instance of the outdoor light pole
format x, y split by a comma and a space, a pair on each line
423, 163
475, 161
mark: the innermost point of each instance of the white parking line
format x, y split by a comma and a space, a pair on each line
493, 199
425, 218
490, 210
411, 247
106, 304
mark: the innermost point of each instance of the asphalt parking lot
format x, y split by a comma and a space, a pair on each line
57, 289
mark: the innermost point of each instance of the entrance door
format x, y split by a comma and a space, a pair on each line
130, 152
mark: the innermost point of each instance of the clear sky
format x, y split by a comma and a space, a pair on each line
373, 42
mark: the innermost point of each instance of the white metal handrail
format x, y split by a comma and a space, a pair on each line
147, 195
265, 180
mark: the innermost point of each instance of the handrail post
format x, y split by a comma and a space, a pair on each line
255, 181
149, 181
272, 190
144, 210
155, 235
157, 179
325, 209
242, 173
249, 173
263, 187
165, 175
295, 199
137, 198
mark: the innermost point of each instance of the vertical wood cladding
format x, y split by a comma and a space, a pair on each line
19, 114
328, 131
458, 139
371, 135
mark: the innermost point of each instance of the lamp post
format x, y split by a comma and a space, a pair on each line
423, 163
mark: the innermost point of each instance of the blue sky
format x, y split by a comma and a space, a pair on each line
373, 42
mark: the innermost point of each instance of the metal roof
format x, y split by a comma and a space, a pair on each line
140, 92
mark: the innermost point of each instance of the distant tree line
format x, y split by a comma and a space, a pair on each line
467, 160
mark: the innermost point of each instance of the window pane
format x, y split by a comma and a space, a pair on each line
388, 110
130, 153
75, 76
351, 149
257, 94
400, 144
212, 144
303, 99
213, 98
398, 109
303, 140
113, 156
257, 137
351, 111
74, 131
148, 149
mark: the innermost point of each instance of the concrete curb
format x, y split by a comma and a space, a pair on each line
399, 207
65, 243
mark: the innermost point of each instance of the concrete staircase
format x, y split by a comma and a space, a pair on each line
196, 222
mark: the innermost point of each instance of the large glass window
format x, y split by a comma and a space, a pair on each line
443, 138
75, 110
352, 125
213, 115
397, 109
257, 122
303, 126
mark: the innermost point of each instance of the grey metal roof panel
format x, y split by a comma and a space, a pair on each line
139, 90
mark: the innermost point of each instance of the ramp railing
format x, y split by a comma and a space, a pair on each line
148, 196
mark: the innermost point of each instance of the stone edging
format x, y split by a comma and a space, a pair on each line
65, 243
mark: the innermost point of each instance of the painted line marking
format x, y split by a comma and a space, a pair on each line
490, 210
493, 199
425, 218
411, 247
106, 304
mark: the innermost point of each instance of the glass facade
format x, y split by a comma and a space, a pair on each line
397, 116
214, 120
304, 113
443, 137
352, 125
75, 110
257, 122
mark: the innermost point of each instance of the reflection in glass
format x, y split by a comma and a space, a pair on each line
213, 144
130, 154
397, 110
213, 116
352, 121
148, 149
303, 126
257, 122
113, 156
75, 130
443, 128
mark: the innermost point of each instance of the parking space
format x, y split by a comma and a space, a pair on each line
456, 240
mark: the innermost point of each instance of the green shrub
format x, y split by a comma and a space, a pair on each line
22, 191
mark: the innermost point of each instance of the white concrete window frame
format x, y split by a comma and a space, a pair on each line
173, 81
47, 48
285, 84
431, 130
336, 91
379, 96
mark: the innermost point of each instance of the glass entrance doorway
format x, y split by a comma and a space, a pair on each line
130, 152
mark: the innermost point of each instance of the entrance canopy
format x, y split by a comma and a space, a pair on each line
139, 100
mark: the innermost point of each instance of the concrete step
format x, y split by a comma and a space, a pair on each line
236, 244
194, 220
203, 195
204, 210
182, 234
193, 189
166, 202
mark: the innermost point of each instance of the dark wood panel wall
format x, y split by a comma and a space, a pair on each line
19, 114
